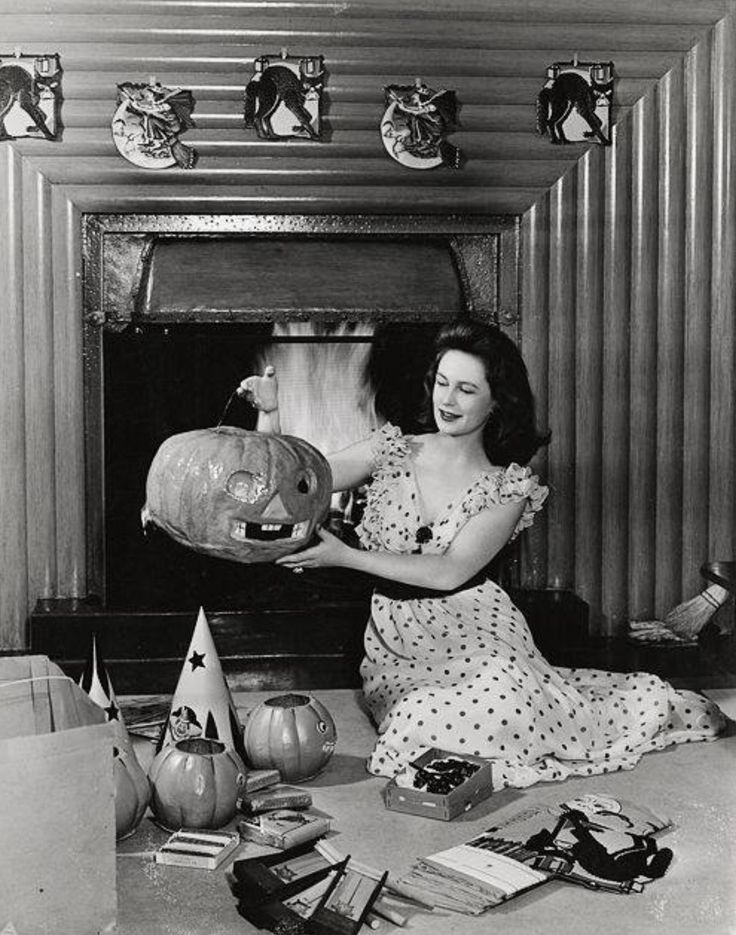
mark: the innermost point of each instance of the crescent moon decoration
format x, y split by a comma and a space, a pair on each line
148, 122
415, 123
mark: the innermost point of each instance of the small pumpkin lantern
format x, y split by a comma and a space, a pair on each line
196, 783
132, 791
239, 495
294, 734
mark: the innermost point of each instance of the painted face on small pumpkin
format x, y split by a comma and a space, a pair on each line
244, 496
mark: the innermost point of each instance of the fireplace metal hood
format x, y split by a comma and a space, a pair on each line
195, 278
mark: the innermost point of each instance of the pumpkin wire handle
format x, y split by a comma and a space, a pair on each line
224, 411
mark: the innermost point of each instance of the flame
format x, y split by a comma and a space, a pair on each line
325, 393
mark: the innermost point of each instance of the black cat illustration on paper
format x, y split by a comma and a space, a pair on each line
568, 92
19, 86
278, 84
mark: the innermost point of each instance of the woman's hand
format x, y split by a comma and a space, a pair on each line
330, 553
261, 392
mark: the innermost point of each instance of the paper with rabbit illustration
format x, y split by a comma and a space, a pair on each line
30, 96
284, 97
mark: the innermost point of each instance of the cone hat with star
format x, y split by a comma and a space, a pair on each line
202, 705
95, 680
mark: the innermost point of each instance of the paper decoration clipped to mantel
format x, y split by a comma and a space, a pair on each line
30, 96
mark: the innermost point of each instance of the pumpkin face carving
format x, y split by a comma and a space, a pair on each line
240, 495
132, 792
195, 784
294, 734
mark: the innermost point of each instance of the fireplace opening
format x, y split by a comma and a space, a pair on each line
162, 379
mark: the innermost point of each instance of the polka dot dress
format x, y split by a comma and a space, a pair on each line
461, 671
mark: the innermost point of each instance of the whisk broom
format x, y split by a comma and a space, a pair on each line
689, 618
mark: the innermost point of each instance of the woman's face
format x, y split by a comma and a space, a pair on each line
461, 396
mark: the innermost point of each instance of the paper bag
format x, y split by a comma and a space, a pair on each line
57, 808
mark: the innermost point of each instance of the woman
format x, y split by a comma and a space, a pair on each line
449, 660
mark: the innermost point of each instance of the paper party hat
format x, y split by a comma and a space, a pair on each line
202, 705
95, 680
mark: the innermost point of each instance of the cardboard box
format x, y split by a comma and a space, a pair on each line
445, 807
57, 807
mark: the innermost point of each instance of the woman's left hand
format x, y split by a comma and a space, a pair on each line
330, 552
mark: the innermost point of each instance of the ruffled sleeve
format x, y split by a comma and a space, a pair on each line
510, 485
390, 448
389, 453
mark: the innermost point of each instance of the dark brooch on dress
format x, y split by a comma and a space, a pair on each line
424, 534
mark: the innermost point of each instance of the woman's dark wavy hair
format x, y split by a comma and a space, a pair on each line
511, 432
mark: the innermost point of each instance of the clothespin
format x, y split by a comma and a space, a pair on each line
284, 52
575, 59
17, 52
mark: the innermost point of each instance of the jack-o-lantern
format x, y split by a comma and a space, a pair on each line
235, 494
294, 734
195, 784
132, 791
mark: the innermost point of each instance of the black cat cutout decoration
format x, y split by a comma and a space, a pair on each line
283, 99
148, 122
574, 105
415, 123
30, 97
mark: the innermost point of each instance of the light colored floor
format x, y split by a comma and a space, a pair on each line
694, 784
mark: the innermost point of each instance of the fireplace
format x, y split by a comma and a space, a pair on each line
177, 310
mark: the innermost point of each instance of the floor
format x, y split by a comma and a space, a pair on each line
694, 784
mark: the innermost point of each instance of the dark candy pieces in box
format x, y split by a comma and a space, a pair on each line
440, 785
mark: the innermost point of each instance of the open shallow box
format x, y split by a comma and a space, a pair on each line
445, 807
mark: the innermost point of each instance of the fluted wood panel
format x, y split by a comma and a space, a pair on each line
68, 397
38, 340
697, 290
668, 530
494, 54
561, 398
722, 500
535, 246
614, 518
642, 353
577, 256
653, 450
588, 389
14, 585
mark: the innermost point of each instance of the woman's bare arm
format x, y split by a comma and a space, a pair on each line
479, 540
350, 467
263, 394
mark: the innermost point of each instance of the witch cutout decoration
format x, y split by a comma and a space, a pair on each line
574, 105
284, 97
30, 97
415, 123
148, 122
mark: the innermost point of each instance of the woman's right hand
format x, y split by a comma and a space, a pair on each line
261, 392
